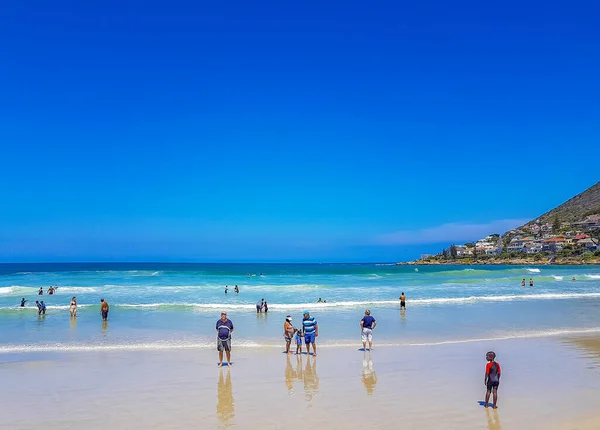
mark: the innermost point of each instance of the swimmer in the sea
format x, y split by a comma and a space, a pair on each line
23, 301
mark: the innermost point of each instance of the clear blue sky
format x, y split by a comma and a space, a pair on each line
288, 131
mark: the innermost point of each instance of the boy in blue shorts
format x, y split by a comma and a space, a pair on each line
311, 332
299, 335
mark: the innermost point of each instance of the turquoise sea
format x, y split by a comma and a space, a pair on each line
158, 306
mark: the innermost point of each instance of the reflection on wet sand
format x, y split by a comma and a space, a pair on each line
403, 315
73, 324
311, 379
292, 375
225, 404
104, 327
493, 421
369, 377
590, 347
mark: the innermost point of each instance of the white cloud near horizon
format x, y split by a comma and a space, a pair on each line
459, 232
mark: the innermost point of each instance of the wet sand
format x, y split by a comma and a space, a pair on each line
545, 382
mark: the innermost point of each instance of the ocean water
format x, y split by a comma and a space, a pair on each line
173, 306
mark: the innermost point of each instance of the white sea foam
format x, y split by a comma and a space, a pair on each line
17, 289
533, 270
558, 278
362, 303
210, 307
126, 346
76, 290
24, 290
592, 276
241, 343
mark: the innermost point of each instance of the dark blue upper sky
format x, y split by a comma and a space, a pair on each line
228, 131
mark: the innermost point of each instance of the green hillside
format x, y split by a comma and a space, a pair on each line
575, 209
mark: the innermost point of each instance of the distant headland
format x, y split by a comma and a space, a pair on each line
567, 235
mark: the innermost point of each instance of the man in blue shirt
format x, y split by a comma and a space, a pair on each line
224, 329
311, 332
367, 324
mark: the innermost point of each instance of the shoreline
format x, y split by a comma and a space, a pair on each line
496, 262
179, 389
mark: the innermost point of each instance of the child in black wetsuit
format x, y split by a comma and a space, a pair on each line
492, 378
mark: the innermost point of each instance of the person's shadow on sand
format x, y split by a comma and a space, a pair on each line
369, 377
225, 403
493, 421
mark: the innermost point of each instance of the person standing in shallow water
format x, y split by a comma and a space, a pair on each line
310, 329
73, 307
224, 330
402, 301
367, 325
104, 309
288, 333
530, 282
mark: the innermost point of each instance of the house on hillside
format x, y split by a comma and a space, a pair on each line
590, 222
462, 251
532, 247
588, 243
581, 236
553, 244
535, 229
546, 228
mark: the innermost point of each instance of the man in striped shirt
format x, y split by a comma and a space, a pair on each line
311, 332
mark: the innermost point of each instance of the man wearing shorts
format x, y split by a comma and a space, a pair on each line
367, 324
403, 301
311, 332
104, 309
259, 306
224, 330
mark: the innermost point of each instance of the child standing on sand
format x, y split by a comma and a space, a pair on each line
298, 341
492, 378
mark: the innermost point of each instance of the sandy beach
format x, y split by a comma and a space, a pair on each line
547, 383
